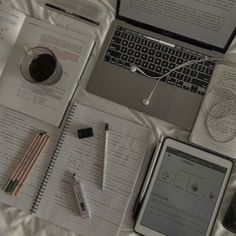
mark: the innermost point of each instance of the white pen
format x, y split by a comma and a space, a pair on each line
150, 169
105, 156
80, 198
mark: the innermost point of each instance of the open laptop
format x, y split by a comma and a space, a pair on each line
156, 36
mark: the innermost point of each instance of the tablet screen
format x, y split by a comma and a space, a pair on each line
183, 195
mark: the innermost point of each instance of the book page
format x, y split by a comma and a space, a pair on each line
16, 133
10, 25
215, 127
45, 102
127, 145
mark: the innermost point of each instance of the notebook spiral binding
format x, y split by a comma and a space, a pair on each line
49, 170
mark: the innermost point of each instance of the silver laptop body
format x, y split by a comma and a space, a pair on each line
169, 103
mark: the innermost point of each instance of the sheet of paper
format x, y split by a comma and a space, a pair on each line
127, 145
215, 127
16, 133
47, 103
10, 24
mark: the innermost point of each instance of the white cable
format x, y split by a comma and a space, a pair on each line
134, 68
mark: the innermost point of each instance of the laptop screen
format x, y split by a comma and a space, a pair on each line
211, 22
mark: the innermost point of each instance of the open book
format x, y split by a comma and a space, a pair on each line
215, 126
50, 195
47, 103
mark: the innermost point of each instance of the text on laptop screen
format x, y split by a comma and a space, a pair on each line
209, 21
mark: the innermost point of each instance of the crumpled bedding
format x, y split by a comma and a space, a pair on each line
14, 222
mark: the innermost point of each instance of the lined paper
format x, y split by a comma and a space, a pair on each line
16, 133
127, 146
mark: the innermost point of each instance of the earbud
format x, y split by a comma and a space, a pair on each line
146, 101
133, 68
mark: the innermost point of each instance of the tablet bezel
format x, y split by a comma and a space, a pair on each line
198, 153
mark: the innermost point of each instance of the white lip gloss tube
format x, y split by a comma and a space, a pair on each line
81, 198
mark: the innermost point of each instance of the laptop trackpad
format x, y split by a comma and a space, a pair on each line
183, 108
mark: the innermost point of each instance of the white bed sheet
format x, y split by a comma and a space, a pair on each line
14, 222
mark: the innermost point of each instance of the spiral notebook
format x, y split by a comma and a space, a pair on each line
54, 200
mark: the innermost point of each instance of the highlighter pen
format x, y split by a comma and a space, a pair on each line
80, 198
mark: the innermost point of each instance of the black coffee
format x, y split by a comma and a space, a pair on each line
42, 67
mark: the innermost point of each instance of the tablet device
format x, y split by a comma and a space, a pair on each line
184, 193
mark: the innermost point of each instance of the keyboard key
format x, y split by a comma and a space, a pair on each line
209, 71
144, 64
209, 64
120, 63
204, 77
186, 56
199, 83
165, 56
171, 51
124, 42
180, 76
130, 37
114, 46
158, 69
150, 44
180, 61
137, 47
201, 68
143, 42
124, 57
151, 59
118, 27
131, 45
194, 89
171, 80
144, 49
131, 59
116, 40
127, 65
117, 33
137, 54
173, 74
124, 49
193, 73
151, 52
107, 58
130, 52
124, 35
113, 53
178, 53
158, 54
137, 39
201, 93
171, 66
164, 48
137, 62
144, 56
151, 67
186, 70
164, 63
187, 79
186, 87
113, 60
179, 83
157, 61
172, 59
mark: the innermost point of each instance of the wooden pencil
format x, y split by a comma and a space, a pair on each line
30, 167
27, 163
21, 163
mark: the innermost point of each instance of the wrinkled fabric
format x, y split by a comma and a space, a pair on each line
14, 222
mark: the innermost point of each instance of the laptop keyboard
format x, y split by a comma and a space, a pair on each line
128, 48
